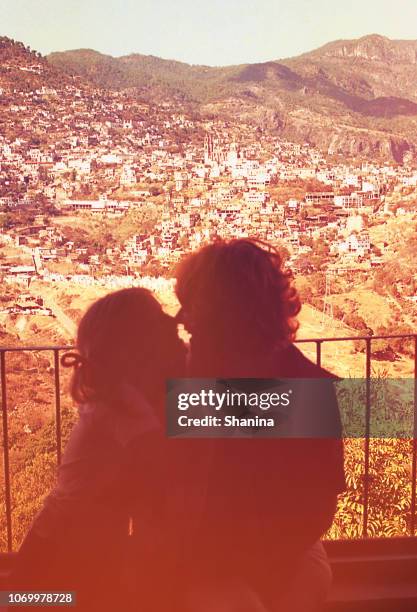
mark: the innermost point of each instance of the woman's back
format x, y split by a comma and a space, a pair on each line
270, 499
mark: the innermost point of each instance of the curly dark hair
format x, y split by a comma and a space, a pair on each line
236, 295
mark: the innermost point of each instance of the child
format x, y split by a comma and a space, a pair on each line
126, 348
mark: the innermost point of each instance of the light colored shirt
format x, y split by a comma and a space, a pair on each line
93, 458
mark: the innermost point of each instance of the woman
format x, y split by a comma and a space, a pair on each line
113, 470
269, 500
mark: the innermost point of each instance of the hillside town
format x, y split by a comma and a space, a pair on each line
156, 181
209, 189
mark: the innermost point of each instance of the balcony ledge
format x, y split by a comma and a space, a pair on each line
368, 575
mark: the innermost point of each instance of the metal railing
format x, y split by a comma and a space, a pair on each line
4, 409
368, 370
318, 342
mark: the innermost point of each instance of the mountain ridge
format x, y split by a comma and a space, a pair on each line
371, 47
367, 39
349, 97
328, 65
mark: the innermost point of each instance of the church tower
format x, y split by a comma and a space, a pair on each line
208, 148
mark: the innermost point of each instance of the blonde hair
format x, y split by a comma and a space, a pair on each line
124, 336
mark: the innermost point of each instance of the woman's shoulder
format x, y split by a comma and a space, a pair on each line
120, 421
87, 436
294, 364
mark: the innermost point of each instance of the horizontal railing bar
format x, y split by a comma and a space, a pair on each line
301, 340
16, 349
341, 338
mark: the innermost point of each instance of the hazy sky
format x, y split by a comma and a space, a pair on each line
214, 32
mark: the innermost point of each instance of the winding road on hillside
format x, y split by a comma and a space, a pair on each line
68, 326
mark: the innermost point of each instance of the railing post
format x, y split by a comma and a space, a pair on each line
367, 437
414, 441
318, 352
57, 407
6, 461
